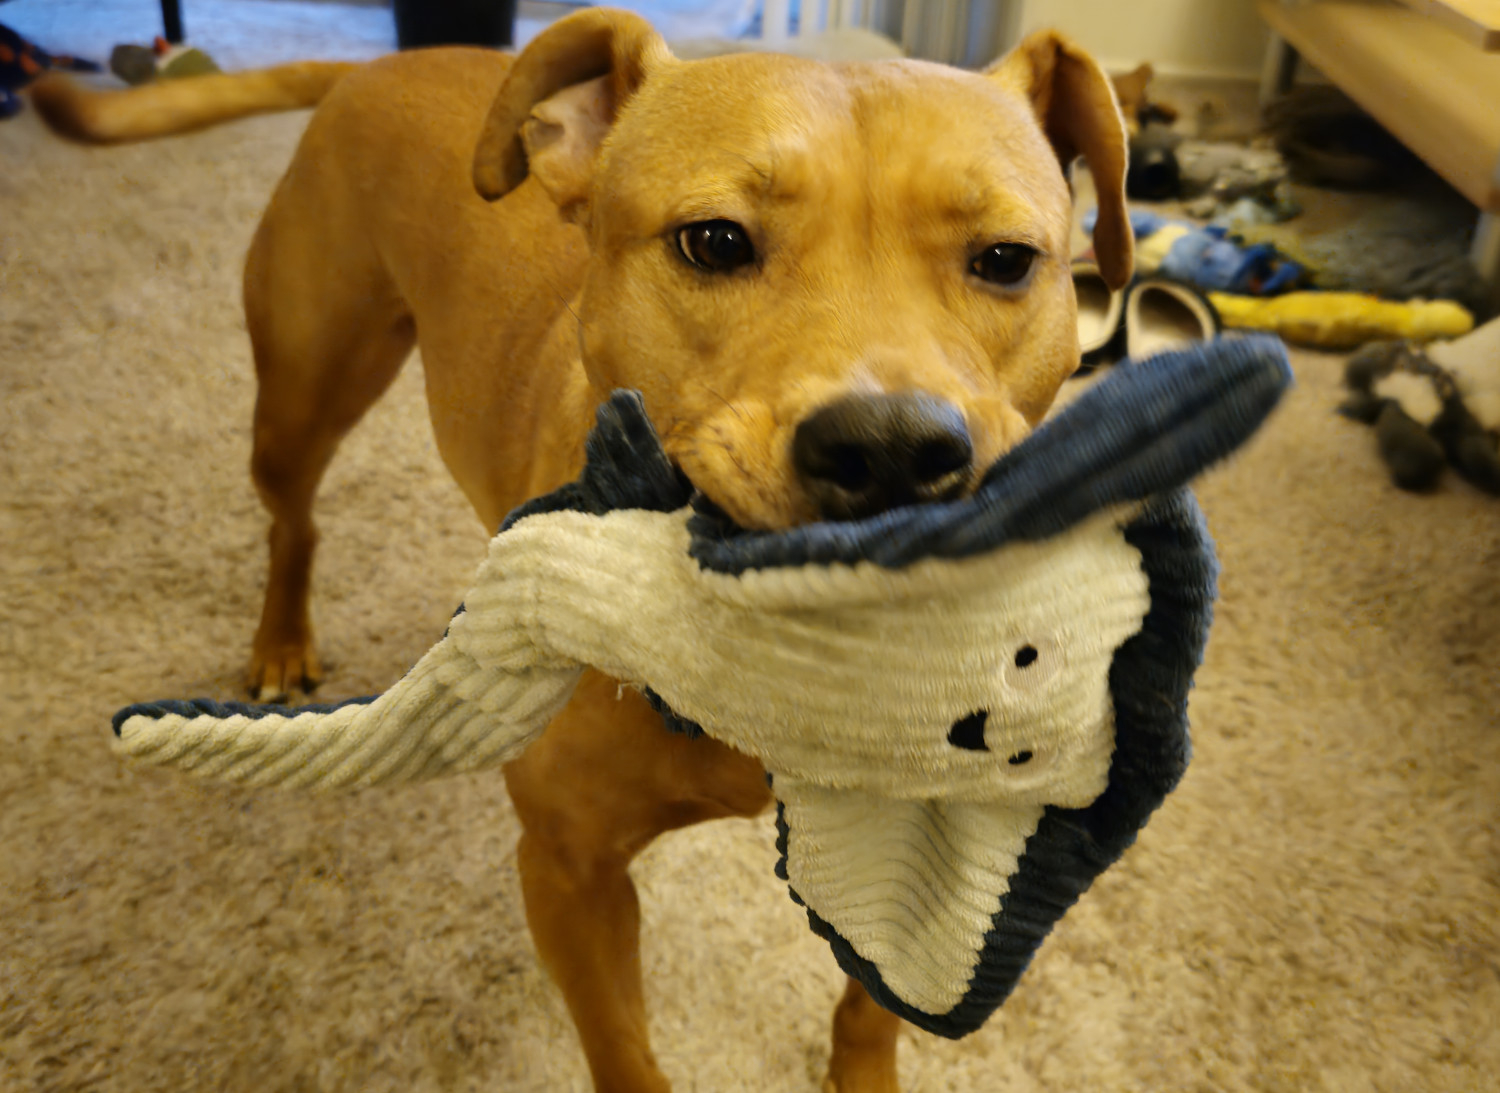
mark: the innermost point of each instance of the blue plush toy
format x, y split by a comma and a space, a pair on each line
1206, 256
967, 710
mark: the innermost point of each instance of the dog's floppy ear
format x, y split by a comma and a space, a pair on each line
1075, 103
559, 100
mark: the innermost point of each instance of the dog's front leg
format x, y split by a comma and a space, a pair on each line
585, 920
864, 1045
603, 781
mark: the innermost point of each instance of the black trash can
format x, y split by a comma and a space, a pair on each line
455, 23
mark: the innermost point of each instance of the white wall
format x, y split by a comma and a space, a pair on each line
1179, 37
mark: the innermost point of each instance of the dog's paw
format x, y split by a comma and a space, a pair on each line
278, 671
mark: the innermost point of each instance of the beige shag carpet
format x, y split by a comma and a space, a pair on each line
1315, 909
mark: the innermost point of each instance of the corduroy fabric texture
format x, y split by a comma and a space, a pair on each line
1058, 613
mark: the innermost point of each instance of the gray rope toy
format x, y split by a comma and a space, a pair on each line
966, 710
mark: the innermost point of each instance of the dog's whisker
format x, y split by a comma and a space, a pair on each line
733, 409
566, 303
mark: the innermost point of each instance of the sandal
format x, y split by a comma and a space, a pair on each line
1100, 309
1163, 314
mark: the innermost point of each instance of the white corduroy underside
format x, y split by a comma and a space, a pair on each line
913, 886
844, 681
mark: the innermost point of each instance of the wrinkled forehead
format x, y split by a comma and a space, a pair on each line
755, 128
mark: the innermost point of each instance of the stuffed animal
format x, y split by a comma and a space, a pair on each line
21, 62
1343, 320
161, 60
1205, 256
1432, 407
966, 710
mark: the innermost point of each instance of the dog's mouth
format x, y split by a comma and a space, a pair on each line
712, 523
1081, 462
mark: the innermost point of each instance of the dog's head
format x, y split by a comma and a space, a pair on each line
839, 287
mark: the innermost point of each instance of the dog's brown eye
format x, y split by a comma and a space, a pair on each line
1003, 264
717, 246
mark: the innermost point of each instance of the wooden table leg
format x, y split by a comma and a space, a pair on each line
1485, 252
171, 18
1278, 69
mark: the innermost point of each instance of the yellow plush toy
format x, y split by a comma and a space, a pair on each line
1343, 320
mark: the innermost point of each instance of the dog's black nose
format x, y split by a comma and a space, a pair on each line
867, 453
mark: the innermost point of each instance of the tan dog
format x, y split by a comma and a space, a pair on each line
839, 287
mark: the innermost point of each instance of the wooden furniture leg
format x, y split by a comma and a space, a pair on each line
171, 19
1485, 251
1278, 70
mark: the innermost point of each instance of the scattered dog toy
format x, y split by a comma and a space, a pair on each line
1137, 106
967, 710
1384, 257
21, 62
159, 61
1153, 172
1218, 175
1343, 320
1207, 257
1432, 409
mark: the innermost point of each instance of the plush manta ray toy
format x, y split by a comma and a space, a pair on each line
966, 710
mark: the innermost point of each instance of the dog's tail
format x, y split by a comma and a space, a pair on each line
178, 106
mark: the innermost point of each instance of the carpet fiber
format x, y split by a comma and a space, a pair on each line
1316, 908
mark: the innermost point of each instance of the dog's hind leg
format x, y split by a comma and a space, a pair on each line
603, 781
329, 334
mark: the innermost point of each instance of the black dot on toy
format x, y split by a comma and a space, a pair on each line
1026, 656
1020, 759
968, 733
